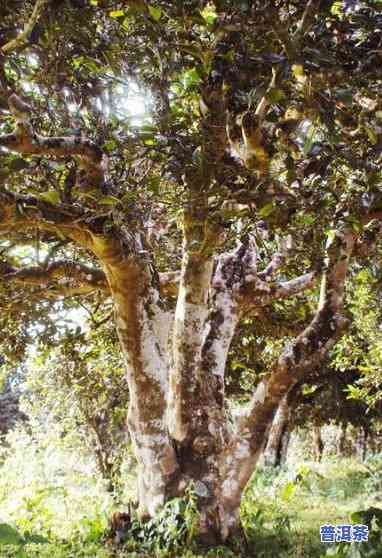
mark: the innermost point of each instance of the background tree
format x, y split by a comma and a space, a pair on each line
10, 412
80, 383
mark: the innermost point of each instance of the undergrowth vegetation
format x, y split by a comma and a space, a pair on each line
281, 513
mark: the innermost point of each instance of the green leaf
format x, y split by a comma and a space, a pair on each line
156, 13
108, 200
9, 535
298, 70
288, 491
52, 196
344, 95
236, 365
190, 78
357, 225
117, 13
373, 137
77, 61
91, 64
307, 218
274, 95
266, 210
331, 235
309, 140
353, 392
336, 8
208, 14
110, 145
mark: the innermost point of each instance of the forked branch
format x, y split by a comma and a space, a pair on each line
62, 272
308, 350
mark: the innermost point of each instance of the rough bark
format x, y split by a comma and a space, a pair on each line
239, 458
218, 460
141, 324
285, 439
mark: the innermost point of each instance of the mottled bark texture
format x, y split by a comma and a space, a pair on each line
239, 457
142, 323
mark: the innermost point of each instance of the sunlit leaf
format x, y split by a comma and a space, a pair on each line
52, 196
155, 12
190, 78
266, 210
288, 491
372, 135
108, 200
209, 14
336, 8
117, 13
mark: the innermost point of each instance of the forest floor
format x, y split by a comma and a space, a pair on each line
282, 513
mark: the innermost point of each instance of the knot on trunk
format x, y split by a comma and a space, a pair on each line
203, 444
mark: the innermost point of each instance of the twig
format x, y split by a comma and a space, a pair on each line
307, 18
23, 37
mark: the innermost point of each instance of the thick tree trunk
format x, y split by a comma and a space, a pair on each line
177, 420
143, 324
278, 439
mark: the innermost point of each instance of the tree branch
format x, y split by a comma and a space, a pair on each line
62, 274
263, 104
29, 143
19, 212
62, 271
25, 141
306, 21
23, 37
309, 348
257, 293
278, 260
297, 285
